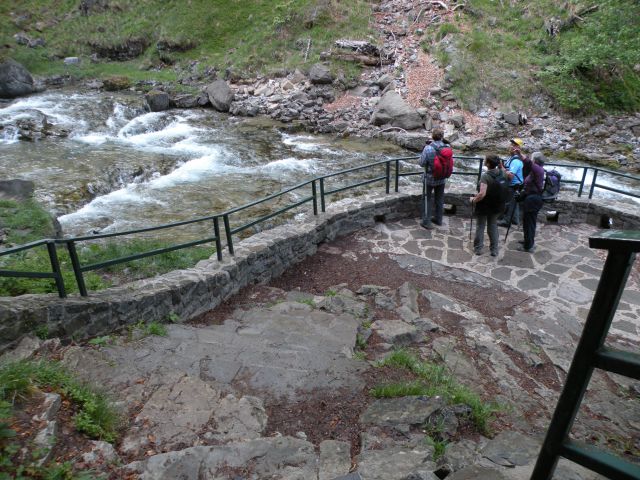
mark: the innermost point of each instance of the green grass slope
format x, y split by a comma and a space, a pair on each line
502, 50
249, 37
499, 50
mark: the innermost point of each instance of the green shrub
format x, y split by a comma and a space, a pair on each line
446, 29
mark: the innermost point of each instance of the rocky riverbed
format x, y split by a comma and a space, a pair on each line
401, 95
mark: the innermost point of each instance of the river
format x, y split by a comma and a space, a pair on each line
122, 167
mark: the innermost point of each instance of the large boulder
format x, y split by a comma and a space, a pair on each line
393, 110
220, 95
157, 101
320, 74
17, 189
15, 80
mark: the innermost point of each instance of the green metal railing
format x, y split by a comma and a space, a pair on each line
592, 353
316, 191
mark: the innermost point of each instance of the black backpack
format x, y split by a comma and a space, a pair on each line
497, 190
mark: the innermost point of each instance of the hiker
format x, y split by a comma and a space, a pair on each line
488, 203
437, 160
513, 170
531, 199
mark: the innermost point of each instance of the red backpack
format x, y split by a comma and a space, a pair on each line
442, 162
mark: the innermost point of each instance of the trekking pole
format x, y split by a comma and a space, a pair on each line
424, 194
471, 223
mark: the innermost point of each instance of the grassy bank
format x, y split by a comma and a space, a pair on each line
503, 51
94, 416
258, 36
27, 221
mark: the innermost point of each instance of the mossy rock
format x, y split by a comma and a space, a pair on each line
116, 82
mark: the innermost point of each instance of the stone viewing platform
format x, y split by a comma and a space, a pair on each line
275, 381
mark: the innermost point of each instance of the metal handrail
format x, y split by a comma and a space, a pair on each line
317, 183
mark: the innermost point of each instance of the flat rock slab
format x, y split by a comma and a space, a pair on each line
173, 416
395, 463
283, 458
396, 332
335, 459
413, 410
284, 349
477, 473
511, 449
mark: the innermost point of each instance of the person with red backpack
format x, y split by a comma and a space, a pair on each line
437, 160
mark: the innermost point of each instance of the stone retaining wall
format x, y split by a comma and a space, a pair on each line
258, 259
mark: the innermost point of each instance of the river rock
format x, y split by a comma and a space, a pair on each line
116, 82
157, 100
18, 189
393, 110
320, 74
512, 118
15, 80
185, 100
220, 95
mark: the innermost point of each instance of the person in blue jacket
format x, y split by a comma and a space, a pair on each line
513, 170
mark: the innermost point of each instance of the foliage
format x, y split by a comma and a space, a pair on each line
253, 37
100, 341
434, 380
37, 260
155, 328
96, 416
142, 329
25, 221
504, 53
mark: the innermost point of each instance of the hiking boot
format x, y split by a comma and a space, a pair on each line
494, 253
528, 250
477, 251
433, 220
428, 226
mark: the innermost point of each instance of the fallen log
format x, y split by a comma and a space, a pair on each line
354, 57
359, 46
554, 25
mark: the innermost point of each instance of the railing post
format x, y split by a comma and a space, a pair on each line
614, 276
388, 177
397, 175
216, 232
584, 177
77, 270
227, 232
55, 268
322, 205
481, 161
314, 192
593, 182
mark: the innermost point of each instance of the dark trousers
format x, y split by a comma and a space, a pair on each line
434, 204
511, 207
530, 207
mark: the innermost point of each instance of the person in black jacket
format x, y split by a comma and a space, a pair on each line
488, 204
